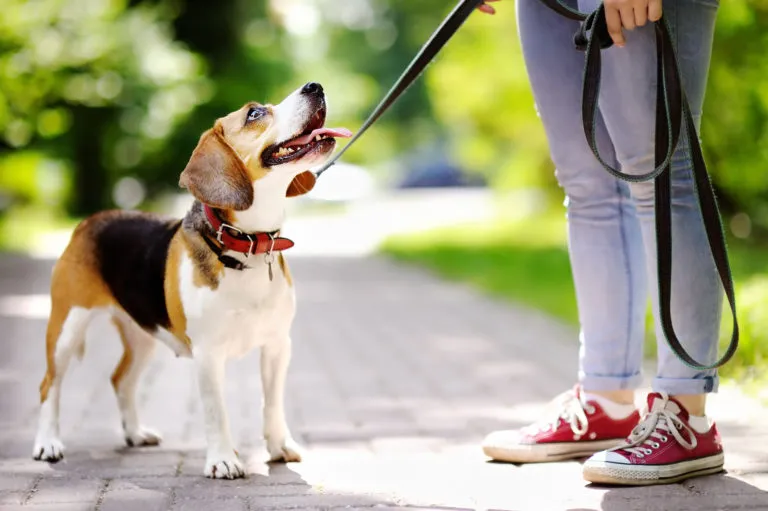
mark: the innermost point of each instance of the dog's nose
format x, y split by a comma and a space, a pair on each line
312, 88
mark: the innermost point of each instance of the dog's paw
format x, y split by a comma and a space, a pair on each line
286, 451
142, 437
224, 467
49, 449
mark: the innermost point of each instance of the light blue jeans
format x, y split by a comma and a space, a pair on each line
611, 232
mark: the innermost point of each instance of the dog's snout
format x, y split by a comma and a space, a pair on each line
312, 88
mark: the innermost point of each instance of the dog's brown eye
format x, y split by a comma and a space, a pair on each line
254, 114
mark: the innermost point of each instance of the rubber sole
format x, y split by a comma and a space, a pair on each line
541, 453
644, 475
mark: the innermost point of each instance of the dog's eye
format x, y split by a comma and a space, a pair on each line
254, 114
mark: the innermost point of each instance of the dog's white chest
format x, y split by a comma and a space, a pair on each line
245, 311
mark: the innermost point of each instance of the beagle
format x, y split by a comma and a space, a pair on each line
211, 286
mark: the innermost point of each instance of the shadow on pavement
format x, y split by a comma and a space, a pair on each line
717, 492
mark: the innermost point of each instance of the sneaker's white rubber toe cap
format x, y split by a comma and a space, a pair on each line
603, 458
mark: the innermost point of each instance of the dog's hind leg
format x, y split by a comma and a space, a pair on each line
65, 337
275, 358
138, 347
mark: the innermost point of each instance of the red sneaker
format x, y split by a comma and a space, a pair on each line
662, 449
579, 429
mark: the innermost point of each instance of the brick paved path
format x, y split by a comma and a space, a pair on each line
395, 379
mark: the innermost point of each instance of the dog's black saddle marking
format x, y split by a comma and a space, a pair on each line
133, 251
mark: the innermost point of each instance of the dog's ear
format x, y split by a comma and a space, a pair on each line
301, 184
216, 175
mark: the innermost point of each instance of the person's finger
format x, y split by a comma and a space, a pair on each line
654, 10
486, 8
627, 15
613, 21
641, 14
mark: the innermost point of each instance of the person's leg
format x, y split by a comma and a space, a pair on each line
627, 105
604, 239
606, 253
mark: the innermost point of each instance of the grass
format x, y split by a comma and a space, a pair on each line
526, 261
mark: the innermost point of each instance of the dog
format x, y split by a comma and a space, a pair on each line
211, 286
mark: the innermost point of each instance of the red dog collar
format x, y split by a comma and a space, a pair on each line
243, 242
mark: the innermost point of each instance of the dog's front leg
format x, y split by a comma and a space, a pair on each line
275, 358
221, 460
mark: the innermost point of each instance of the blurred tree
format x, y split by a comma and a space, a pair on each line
95, 82
245, 56
735, 120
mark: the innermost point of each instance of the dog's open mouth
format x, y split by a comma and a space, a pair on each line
314, 137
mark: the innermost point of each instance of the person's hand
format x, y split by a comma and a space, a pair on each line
488, 9
629, 14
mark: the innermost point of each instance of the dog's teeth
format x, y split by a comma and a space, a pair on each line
317, 138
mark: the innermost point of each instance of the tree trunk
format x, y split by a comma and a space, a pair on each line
90, 190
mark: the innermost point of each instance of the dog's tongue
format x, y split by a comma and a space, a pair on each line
331, 132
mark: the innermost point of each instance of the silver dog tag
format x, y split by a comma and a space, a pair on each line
269, 258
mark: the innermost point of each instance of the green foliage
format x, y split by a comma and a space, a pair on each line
94, 82
481, 94
735, 120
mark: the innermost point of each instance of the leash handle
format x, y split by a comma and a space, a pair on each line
673, 114
428, 51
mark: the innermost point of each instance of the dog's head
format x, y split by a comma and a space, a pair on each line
256, 140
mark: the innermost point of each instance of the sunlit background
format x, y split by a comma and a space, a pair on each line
102, 102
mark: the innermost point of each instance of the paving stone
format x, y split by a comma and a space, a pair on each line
13, 497
131, 499
201, 504
10, 482
70, 506
51, 491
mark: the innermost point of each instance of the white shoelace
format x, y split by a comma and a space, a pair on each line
571, 409
656, 426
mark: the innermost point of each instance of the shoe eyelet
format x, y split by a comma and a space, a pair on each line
640, 455
590, 410
655, 445
648, 451
664, 439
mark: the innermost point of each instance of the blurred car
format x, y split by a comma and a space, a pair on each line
429, 167
440, 176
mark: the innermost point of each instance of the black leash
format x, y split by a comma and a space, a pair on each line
673, 113
427, 52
